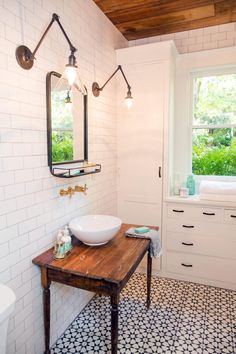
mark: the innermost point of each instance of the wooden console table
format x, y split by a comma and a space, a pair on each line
104, 270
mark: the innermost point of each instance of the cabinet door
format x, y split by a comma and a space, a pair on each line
140, 144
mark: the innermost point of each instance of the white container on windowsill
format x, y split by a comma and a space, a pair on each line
183, 192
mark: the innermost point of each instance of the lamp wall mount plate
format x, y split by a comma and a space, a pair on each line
24, 57
96, 89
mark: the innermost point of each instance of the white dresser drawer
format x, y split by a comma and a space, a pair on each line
208, 245
230, 217
204, 228
207, 214
181, 211
211, 268
181, 226
192, 227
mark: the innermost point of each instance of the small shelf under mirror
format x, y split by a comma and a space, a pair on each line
74, 170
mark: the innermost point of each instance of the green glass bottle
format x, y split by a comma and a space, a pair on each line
191, 184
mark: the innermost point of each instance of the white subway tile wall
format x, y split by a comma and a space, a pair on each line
197, 40
31, 210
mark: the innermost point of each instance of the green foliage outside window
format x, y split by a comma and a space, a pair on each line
62, 146
214, 148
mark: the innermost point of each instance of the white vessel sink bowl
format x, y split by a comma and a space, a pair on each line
95, 230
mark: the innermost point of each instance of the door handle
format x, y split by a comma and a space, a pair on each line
159, 171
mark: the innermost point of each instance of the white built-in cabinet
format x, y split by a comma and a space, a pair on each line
199, 242
198, 238
143, 131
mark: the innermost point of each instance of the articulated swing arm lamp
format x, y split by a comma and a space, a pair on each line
96, 89
25, 57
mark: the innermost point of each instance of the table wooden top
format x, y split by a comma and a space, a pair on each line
113, 262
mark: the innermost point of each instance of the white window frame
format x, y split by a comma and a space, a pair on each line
194, 75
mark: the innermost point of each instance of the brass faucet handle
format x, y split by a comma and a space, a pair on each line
63, 192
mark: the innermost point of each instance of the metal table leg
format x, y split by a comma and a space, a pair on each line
149, 278
46, 308
114, 323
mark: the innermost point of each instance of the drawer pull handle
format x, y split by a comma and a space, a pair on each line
208, 213
233, 216
188, 226
187, 244
177, 211
186, 265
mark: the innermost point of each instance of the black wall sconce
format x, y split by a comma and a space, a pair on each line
128, 99
25, 57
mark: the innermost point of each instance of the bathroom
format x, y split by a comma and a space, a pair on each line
141, 154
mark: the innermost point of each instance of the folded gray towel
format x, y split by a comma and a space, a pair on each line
155, 247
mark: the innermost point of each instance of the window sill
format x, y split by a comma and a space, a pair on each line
195, 199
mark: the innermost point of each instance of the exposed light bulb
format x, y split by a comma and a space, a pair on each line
129, 102
129, 98
70, 73
69, 106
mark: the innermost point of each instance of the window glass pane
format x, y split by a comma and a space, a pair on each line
214, 99
214, 152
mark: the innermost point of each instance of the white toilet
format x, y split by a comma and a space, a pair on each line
7, 304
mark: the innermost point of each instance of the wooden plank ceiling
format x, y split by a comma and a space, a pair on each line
146, 18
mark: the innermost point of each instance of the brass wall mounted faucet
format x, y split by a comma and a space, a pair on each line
70, 190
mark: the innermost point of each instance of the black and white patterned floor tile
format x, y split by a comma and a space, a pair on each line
184, 318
